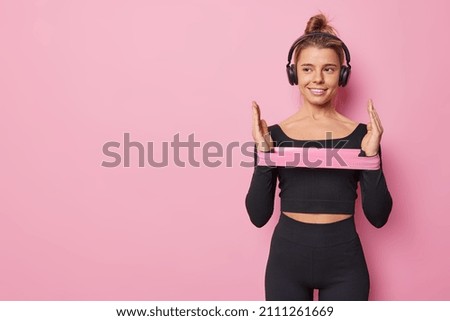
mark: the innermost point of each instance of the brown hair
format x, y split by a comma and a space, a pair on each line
319, 23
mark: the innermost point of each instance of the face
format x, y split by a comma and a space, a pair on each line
318, 75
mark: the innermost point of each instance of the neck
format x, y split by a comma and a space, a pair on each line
317, 112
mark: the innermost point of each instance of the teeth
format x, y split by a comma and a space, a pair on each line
317, 91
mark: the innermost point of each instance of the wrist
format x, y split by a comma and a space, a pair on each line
368, 154
263, 147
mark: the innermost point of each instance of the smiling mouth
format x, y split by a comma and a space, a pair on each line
317, 91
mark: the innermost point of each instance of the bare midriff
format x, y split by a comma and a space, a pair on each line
317, 218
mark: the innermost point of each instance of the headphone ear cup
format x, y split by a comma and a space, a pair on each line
292, 74
344, 76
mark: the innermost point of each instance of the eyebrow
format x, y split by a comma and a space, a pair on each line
311, 65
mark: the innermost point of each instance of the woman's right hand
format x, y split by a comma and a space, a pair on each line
261, 136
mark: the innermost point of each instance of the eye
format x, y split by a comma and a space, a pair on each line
306, 69
330, 70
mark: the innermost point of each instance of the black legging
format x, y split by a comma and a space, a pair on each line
328, 257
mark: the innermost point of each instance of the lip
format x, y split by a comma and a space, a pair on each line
317, 91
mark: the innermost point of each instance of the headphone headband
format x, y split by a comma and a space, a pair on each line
312, 34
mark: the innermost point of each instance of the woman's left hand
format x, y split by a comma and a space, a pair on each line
371, 142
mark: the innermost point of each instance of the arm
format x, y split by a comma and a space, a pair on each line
376, 199
261, 194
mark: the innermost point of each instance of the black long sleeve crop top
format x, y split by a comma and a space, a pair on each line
318, 190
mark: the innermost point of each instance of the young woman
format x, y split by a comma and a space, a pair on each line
315, 244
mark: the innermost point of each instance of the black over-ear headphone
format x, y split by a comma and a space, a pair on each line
292, 69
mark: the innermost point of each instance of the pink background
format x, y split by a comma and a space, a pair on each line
77, 74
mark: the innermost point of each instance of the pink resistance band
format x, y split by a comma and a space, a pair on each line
312, 157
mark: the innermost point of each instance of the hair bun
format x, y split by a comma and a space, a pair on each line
319, 23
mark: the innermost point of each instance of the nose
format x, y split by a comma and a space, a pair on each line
318, 77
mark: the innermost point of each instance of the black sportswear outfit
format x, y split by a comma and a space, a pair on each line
304, 256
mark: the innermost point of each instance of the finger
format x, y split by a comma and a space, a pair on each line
370, 111
373, 116
256, 115
264, 128
266, 135
255, 104
377, 119
369, 106
378, 122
